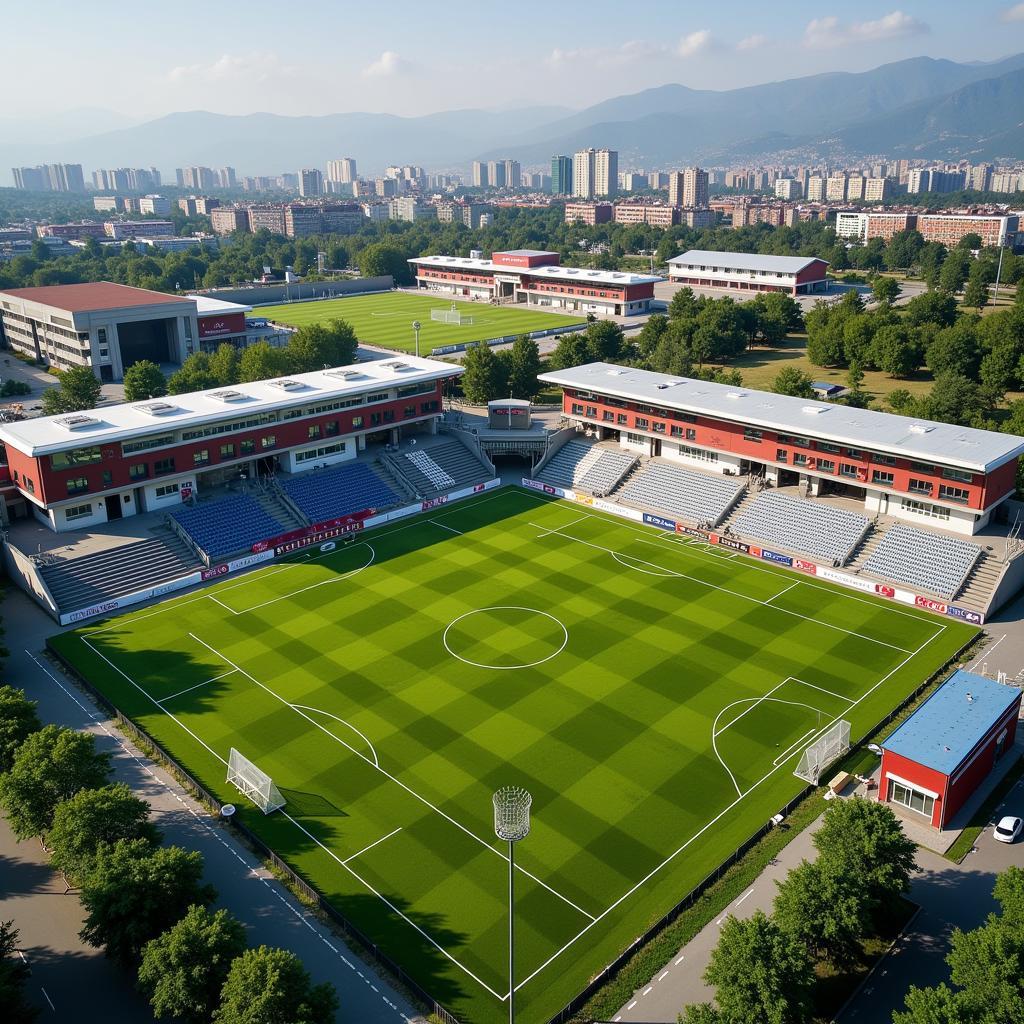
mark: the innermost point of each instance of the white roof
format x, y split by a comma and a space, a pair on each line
963, 447
555, 273
745, 261
47, 434
208, 306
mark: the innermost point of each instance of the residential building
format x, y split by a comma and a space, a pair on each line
606, 172
152, 205
123, 229
71, 232
980, 177
311, 183
108, 204
588, 213
200, 178
561, 176
1005, 181
855, 188
342, 171
641, 213
513, 174
692, 188
480, 178
496, 173
865, 226
385, 188
816, 189
471, 214
268, 217
630, 181
50, 178
877, 190
949, 228
193, 206
788, 188
226, 220
835, 188
411, 208
657, 179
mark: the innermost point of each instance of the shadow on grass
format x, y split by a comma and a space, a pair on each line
310, 805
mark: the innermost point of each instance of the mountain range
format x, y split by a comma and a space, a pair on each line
921, 107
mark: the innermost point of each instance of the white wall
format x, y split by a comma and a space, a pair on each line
99, 515
348, 452
150, 501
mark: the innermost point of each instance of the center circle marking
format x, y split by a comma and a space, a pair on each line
505, 608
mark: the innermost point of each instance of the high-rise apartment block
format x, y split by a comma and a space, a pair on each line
788, 188
688, 188
311, 182
50, 178
561, 176
342, 171
496, 173
480, 178
595, 172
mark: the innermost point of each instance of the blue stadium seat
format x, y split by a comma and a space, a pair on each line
228, 525
339, 491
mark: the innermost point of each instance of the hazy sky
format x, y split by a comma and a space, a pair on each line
144, 59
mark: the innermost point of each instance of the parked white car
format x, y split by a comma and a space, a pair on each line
1007, 829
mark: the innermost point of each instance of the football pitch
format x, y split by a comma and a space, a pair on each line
651, 693
386, 319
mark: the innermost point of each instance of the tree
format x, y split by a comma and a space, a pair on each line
954, 271
570, 351
971, 241
777, 315
955, 349
683, 304
184, 969
886, 289
14, 973
760, 973
825, 911
51, 765
18, 720
953, 399
525, 367
92, 819
940, 1005
987, 963
936, 307
314, 346
825, 325
791, 380
224, 364
195, 374
480, 380
133, 893
719, 334
144, 380
976, 292
863, 840
605, 341
856, 397
381, 260
77, 389
263, 361
650, 334
894, 351
270, 986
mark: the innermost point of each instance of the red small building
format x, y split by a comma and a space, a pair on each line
940, 755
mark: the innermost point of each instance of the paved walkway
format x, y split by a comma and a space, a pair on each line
271, 915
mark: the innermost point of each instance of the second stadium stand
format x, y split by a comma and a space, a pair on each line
686, 494
338, 491
591, 468
227, 525
928, 561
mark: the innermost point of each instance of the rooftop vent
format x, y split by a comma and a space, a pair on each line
228, 396
814, 410
345, 374
77, 421
397, 365
616, 373
736, 394
286, 385
921, 428
156, 408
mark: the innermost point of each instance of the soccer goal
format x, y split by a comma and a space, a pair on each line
450, 316
832, 744
256, 785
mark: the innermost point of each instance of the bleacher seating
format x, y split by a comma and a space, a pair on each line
430, 469
589, 467
803, 527
443, 466
683, 493
227, 525
338, 491
927, 561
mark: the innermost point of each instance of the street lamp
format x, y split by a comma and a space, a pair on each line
416, 331
511, 823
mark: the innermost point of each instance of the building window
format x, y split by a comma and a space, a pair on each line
76, 457
29, 484
854, 453
879, 476
799, 459
920, 486
911, 798
750, 434
166, 490
201, 458
331, 428
609, 417
248, 447
658, 428
641, 423
922, 467
781, 455
108, 478
883, 460
317, 453
826, 466
827, 446
699, 454
577, 409
621, 419
677, 431
77, 512
592, 412
357, 421
374, 419
845, 469
270, 441
921, 508
139, 471
409, 411
957, 494
313, 432
78, 485
958, 474
163, 466
389, 415
800, 442
227, 451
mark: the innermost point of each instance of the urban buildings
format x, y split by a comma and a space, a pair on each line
743, 271
788, 188
311, 183
201, 179
948, 228
228, 219
49, 178
496, 173
561, 176
342, 172
595, 173
480, 178
588, 213
688, 187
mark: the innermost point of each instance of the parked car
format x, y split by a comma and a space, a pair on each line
1007, 829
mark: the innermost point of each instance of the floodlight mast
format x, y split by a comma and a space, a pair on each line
416, 332
511, 823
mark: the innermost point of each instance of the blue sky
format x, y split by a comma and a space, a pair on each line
145, 59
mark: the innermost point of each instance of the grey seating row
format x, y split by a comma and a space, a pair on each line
686, 494
924, 560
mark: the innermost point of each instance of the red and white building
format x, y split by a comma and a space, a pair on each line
744, 271
86, 468
934, 474
934, 762
536, 278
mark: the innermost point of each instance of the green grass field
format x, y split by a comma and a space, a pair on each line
651, 693
386, 319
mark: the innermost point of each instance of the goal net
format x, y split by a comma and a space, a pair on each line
832, 744
450, 316
256, 785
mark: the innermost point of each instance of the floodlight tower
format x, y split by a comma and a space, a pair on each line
416, 332
511, 823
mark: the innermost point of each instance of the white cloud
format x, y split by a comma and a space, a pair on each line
826, 33
256, 67
629, 52
387, 65
754, 42
1015, 13
694, 43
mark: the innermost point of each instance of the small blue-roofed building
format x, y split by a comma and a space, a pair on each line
940, 755
825, 389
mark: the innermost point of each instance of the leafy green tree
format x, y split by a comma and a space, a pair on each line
940, 1005
935, 307
570, 351
776, 315
1009, 893
954, 271
988, 965
263, 361
18, 720
650, 334
791, 380
77, 389
133, 893
502, 373
856, 397
971, 241
381, 259
605, 341
92, 819
886, 289
195, 374
50, 766
683, 304
143, 380
976, 292
673, 353
895, 351
759, 973
954, 399
314, 346
224, 364
955, 349
525, 367
14, 973
270, 986
480, 382
184, 969
700, 1013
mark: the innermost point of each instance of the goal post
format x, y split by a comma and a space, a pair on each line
450, 316
257, 785
827, 748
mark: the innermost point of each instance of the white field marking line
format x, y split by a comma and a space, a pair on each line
698, 548
272, 570
555, 529
312, 586
714, 821
636, 568
377, 842
349, 725
788, 752
781, 592
228, 608
500, 608
987, 651
734, 593
189, 689
647, 991
210, 831
451, 529
631, 1005
814, 686
714, 728
392, 778
663, 976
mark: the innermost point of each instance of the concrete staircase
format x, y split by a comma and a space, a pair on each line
278, 505
981, 583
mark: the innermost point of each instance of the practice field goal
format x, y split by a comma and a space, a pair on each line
256, 785
450, 316
828, 747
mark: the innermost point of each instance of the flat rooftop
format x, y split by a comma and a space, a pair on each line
91, 298
948, 726
555, 273
745, 261
47, 434
963, 447
208, 306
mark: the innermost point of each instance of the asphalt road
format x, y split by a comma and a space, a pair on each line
80, 980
